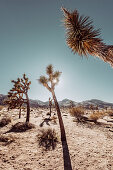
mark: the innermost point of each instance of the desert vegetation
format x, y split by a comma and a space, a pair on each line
47, 138
77, 112
83, 39
5, 121
53, 79
42, 147
44, 143
97, 115
18, 95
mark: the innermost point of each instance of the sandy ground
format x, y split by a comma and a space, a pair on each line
90, 146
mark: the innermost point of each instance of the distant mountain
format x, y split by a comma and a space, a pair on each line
2, 97
33, 103
95, 102
65, 103
38, 103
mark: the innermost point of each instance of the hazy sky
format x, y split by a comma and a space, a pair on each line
32, 36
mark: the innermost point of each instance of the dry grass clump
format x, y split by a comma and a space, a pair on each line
54, 119
5, 121
6, 139
110, 112
97, 115
47, 139
77, 112
21, 127
1, 107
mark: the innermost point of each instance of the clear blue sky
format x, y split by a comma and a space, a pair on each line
32, 36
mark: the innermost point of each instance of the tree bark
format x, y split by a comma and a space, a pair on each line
50, 110
28, 109
104, 52
62, 129
20, 113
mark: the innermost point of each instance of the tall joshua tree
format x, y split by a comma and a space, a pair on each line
50, 82
83, 39
19, 94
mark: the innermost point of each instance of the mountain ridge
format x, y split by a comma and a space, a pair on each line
65, 103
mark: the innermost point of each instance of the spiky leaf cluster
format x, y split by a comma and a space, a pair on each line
52, 79
81, 36
83, 39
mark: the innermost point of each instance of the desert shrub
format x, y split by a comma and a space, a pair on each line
6, 139
1, 107
54, 119
77, 112
97, 115
5, 121
110, 112
22, 127
47, 139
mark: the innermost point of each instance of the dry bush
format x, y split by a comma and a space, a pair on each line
77, 112
6, 139
1, 107
54, 119
97, 115
5, 121
21, 127
110, 112
47, 139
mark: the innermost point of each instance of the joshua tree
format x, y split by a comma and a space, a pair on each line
14, 101
50, 82
91, 107
19, 95
50, 104
83, 39
97, 108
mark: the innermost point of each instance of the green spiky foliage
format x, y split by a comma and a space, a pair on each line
18, 95
50, 82
83, 39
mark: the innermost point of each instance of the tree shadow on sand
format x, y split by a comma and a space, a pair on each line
46, 120
21, 127
66, 156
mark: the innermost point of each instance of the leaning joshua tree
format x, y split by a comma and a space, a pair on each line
19, 95
50, 82
83, 39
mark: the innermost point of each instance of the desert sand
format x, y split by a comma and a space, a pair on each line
90, 146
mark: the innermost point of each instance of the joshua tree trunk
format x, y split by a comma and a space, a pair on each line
28, 109
50, 110
20, 113
63, 135
104, 52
